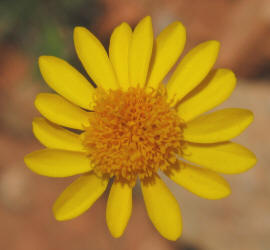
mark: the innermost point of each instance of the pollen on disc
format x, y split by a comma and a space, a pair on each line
132, 134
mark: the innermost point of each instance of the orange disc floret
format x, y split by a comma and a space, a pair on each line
132, 133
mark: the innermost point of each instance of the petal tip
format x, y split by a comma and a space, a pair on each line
38, 100
229, 75
212, 45
116, 234
178, 25
78, 29
253, 160
43, 63
45, 60
179, 29
35, 123
147, 18
124, 25
28, 161
226, 192
146, 21
251, 115
57, 214
78, 32
174, 236
226, 72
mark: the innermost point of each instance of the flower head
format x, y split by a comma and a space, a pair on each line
132, 126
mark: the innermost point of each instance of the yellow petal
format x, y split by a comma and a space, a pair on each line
119, 207
216, 88
60, 111
58, 163
53, 136
119, 51
218, 126
227, 157
67, 81
79, 197
168, 46
162, 209
140, 52
192, 70
202, 182
94, 58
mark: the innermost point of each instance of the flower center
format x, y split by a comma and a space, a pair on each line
132, 134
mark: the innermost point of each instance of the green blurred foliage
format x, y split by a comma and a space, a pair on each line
44, 27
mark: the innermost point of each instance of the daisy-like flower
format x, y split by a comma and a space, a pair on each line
132, 126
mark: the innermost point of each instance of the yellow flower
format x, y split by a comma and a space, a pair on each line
133, 126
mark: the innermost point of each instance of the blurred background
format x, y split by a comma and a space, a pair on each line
30, 28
